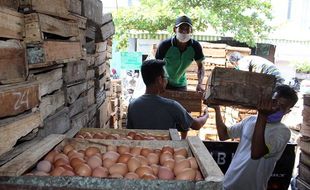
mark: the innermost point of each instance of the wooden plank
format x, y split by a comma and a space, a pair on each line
302, 185
58, 8
100, 70
15, 99
51, 103
107, 30
58, 123
190, 100
100, 58
13, 65
75, 6
92, 110
75, 71
104, 112
24, 161
107, 17
92, 10
213, 45
210, 52
91, 96
174, 134
13, 4
305, 159
239, 88
78, 106
80, 20
304, 143
72, 93
21, 126
207, 164
48, 24
11, 24
77, 122
101, 46
215, 60
50, 81
47, 53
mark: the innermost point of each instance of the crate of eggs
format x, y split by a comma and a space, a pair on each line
103, 164
127, 134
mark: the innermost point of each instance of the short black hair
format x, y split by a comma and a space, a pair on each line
285, 91
151, 69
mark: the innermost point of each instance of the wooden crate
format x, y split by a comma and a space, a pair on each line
58, 8
75, 71
172, 133
11, 24
190, 100
13, 65
212, 175
10, 4
38, 27
92, 9
18, 98
13, 129
48, 53
229, 87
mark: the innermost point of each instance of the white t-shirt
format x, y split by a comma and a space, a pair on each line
246, 173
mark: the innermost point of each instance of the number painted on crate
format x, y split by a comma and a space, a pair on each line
22, 99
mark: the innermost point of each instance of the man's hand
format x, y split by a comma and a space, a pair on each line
199, 88
264, 106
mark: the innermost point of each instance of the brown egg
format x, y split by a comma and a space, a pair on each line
132, 134
90, 151
50, 156
167, 148
87, 135
155, 168
104, 134
138, 137
111, 148
98, 136
193, 162
157, 151
166, 137
67, 148
122, 149
60, 162
198, 175
146, 151
165, 173
107, 163
112, 137
186, 174
44, 166
118, 168
60, 155
143, 160
152, 158
57, 171
68, 173
76, 161
180, 151
117, 176
129, 137
72, 152
148, 176
133, 164
169, 163
179, 166
83, 170
164, 156
67, 167
178, 158
94, 161
136, 150
124, 158
76, 155
79, 137
100, 172
144, 170
111, 155
131, 175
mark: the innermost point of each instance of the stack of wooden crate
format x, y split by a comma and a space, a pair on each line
54, 78
216, 55
116, 103
303, 181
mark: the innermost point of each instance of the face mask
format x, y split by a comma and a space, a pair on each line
183, 37
275, 117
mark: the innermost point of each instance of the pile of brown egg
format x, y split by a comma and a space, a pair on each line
122, 161
129, 136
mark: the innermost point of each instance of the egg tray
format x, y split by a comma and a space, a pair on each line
11, 172
172, 133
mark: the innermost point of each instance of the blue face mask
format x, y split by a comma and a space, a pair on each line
275, 117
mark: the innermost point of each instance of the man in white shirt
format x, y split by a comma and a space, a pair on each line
263, 139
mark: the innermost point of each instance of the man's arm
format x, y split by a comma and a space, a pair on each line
259, 148
200, 75
220, 125
200, 121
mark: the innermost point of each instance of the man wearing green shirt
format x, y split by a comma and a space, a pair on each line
179, 52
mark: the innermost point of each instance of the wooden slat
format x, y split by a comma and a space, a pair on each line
207, 165
174, 134
50, 81
13, 66
210, 52
11, 24
107, 30
24, 161
93, 11
21, 126
75, 6
15, 99
75, 71
73, 92
51, 103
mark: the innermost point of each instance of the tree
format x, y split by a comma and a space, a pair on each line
244, 20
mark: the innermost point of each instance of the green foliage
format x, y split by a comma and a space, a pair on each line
302, 66
245, 20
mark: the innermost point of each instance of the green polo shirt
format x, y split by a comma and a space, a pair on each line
177, 61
